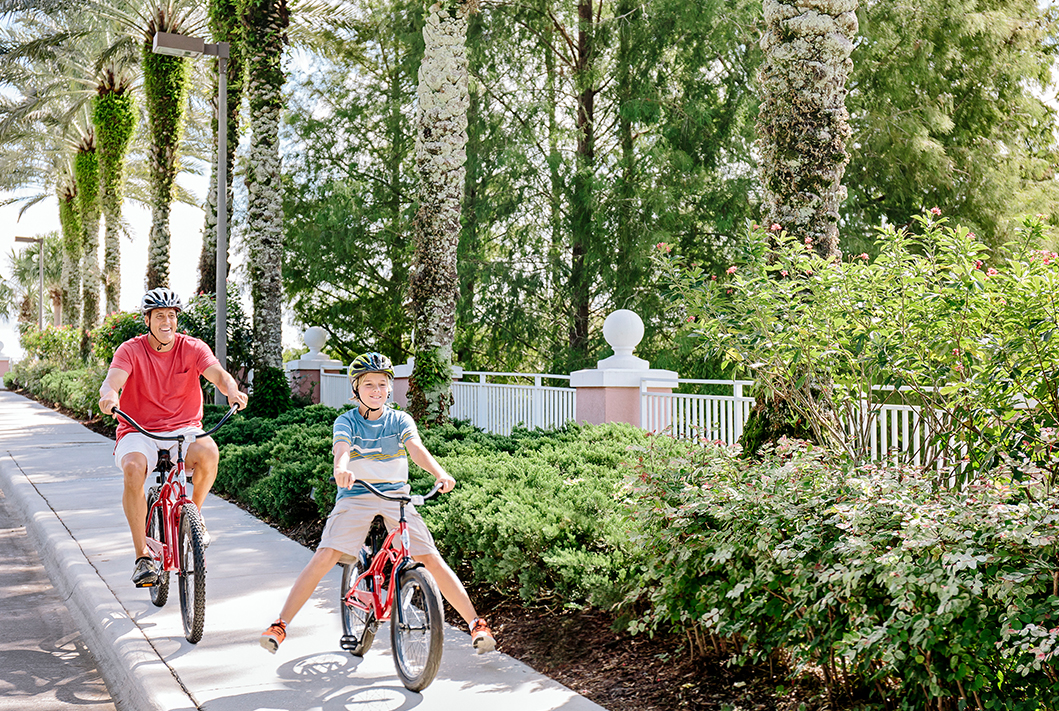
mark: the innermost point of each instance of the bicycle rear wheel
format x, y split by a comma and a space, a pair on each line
156, 530
358, 626
192, 573
416, 629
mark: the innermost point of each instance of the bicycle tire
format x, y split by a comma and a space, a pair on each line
192, 576
417, 629
358, 627
156, 530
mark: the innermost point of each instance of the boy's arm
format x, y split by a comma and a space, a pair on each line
422, 456
343, 477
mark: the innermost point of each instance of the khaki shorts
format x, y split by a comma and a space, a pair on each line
350, 519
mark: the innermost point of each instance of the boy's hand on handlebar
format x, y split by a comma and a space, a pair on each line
447, 482
344, 478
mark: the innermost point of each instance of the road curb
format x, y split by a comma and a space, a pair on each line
136, 675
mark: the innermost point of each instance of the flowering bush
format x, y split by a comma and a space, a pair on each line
115, 330
59, 344
969, 336
894, 588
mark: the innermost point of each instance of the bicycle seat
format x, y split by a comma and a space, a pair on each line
165, 462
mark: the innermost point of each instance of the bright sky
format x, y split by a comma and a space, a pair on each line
185, 226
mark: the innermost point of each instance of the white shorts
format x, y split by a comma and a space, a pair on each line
136, 442
349, 521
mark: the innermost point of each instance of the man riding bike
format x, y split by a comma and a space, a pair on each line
156, 378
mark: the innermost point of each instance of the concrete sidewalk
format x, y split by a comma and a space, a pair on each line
61, 479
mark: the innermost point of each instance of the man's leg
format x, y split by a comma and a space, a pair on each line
201, 461
134, 469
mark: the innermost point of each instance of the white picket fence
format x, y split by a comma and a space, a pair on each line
715, 417
499, 407
335, 390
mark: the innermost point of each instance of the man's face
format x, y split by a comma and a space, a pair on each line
373, 389
163, 324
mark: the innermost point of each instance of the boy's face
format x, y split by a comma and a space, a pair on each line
373, 389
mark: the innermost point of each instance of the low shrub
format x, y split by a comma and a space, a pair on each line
75, 389
893, 587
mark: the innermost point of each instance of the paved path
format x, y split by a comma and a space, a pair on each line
61, 478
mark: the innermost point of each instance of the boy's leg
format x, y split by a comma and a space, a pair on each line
452, 590
322, 561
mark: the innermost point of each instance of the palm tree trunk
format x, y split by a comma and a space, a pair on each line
86, 172
441, 156
114, 116
165, 81
266, 25
582, 198
72, 237
803, 124
225, 27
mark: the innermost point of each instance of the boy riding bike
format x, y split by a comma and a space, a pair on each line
373, 443
156, 378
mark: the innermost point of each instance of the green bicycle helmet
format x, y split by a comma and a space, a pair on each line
371, 362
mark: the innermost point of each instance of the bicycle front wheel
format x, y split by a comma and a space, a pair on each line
192, 572
358, 626
156, 530
416, 629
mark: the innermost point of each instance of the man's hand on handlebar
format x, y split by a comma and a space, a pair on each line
108, 404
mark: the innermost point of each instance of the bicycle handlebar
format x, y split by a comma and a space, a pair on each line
172, 438
414, 499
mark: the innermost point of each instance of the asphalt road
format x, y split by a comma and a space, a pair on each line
44, 664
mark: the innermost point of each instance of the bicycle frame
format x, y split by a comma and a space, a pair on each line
370, 600
173, 492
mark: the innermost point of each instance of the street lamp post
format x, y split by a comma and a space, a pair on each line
40, 298
184, 46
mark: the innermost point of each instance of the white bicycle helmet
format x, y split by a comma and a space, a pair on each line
160, 298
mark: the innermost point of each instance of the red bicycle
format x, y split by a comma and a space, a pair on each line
175, 532
384, 583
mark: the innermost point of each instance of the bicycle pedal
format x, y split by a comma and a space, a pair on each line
348, 642
145, 585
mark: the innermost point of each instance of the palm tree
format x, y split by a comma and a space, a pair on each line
441, 155
265, 24
24, 283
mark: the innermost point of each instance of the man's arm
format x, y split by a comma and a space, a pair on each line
110, 390
226, 384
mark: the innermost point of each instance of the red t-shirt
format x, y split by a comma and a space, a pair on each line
162, 392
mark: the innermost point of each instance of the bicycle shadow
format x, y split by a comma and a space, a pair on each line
58, 668
328, 681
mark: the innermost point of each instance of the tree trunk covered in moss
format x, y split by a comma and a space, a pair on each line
86, 173
72, 240
803, 127
165, 82
265, 26
583, 195
225, 27
441, 156
114, 116
803, 123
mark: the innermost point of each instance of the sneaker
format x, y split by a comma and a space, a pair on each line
272, 637
207, 539
145, 574
482, 637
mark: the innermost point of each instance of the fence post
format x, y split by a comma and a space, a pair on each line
304, 374
610, 392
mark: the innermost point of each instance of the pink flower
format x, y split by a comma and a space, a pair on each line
713, 277
958, 367
783, 272
690, 319
775, 227
991, 272
863, 256
978, 264
809, 272
808, 241
730, 270
661, 246
935, 211
971, 235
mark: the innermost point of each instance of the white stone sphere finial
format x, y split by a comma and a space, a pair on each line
623, 330
314, 337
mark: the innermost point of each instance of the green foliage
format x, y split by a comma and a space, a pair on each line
968, 336
115, 330
271, 394
199, 319
60, 345
76, 389
887, 583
